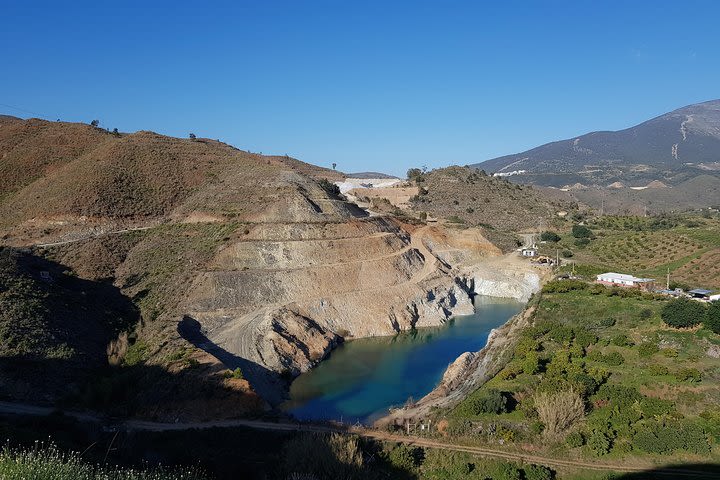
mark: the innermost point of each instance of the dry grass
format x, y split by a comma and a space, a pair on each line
558, 411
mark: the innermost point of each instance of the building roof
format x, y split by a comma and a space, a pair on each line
700, 291
625, 277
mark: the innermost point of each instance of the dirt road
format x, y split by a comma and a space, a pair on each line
141, 425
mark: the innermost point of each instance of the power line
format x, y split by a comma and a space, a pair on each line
24, 110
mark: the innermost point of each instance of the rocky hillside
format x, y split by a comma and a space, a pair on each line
468, 197
234, 260
671, 148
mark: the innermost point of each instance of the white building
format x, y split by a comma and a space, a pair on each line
624, 280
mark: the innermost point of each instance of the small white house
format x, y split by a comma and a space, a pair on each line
624, 280
529, 252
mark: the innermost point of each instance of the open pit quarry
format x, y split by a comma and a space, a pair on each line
278, 300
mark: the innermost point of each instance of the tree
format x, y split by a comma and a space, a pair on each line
192, 136
115, 132
683, 313
334, 165
712, 317
95, 123
414, 173
581, 231
549, 237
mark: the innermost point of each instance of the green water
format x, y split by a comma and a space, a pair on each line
363, 378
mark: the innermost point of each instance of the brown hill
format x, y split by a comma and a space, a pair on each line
465, 195
234, 260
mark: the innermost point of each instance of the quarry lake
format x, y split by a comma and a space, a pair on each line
363, 378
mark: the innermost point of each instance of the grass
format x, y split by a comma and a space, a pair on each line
49, 463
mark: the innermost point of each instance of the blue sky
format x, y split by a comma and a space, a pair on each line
369, 85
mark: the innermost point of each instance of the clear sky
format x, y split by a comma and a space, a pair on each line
369, 85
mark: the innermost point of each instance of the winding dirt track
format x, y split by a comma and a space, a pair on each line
140, 425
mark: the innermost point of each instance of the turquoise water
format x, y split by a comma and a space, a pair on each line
363, 378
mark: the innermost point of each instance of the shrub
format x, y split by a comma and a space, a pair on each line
669, 352
526, 345
657, 370
405, 457
549, 237
666, 436
655, 407
531, 363
688, 375
598, 443
566, 254
582, 242
712, 318
618, 395
606, 322
488, 401
575, 440
508, 471
585, 338
581, 231
537, 472
613, 358
558, 411
648, 349
622, 340
564, 286
682, 313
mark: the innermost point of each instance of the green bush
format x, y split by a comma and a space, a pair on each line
566, 253
682, 313
712, 318
598, 443
647, 349
584, 338
667, 436
507, 471
549, 237
613, 358
487, 401
622, 340
581, 242
575, 440
405, 457
581, 231
537, 472
564, 286
688, 375
655, 407
618, 395
531, 363
657, 370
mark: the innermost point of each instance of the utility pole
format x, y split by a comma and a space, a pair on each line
667, 282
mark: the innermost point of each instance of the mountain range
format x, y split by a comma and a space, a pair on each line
671, 149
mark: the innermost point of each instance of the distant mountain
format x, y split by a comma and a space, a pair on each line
671, 148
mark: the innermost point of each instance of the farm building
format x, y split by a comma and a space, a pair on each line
700, 294
624, 280
529, 252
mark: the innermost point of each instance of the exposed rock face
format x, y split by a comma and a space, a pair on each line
283, 303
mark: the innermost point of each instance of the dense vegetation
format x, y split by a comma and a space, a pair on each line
598, 374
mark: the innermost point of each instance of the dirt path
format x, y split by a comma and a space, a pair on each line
93, 235
129, 425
